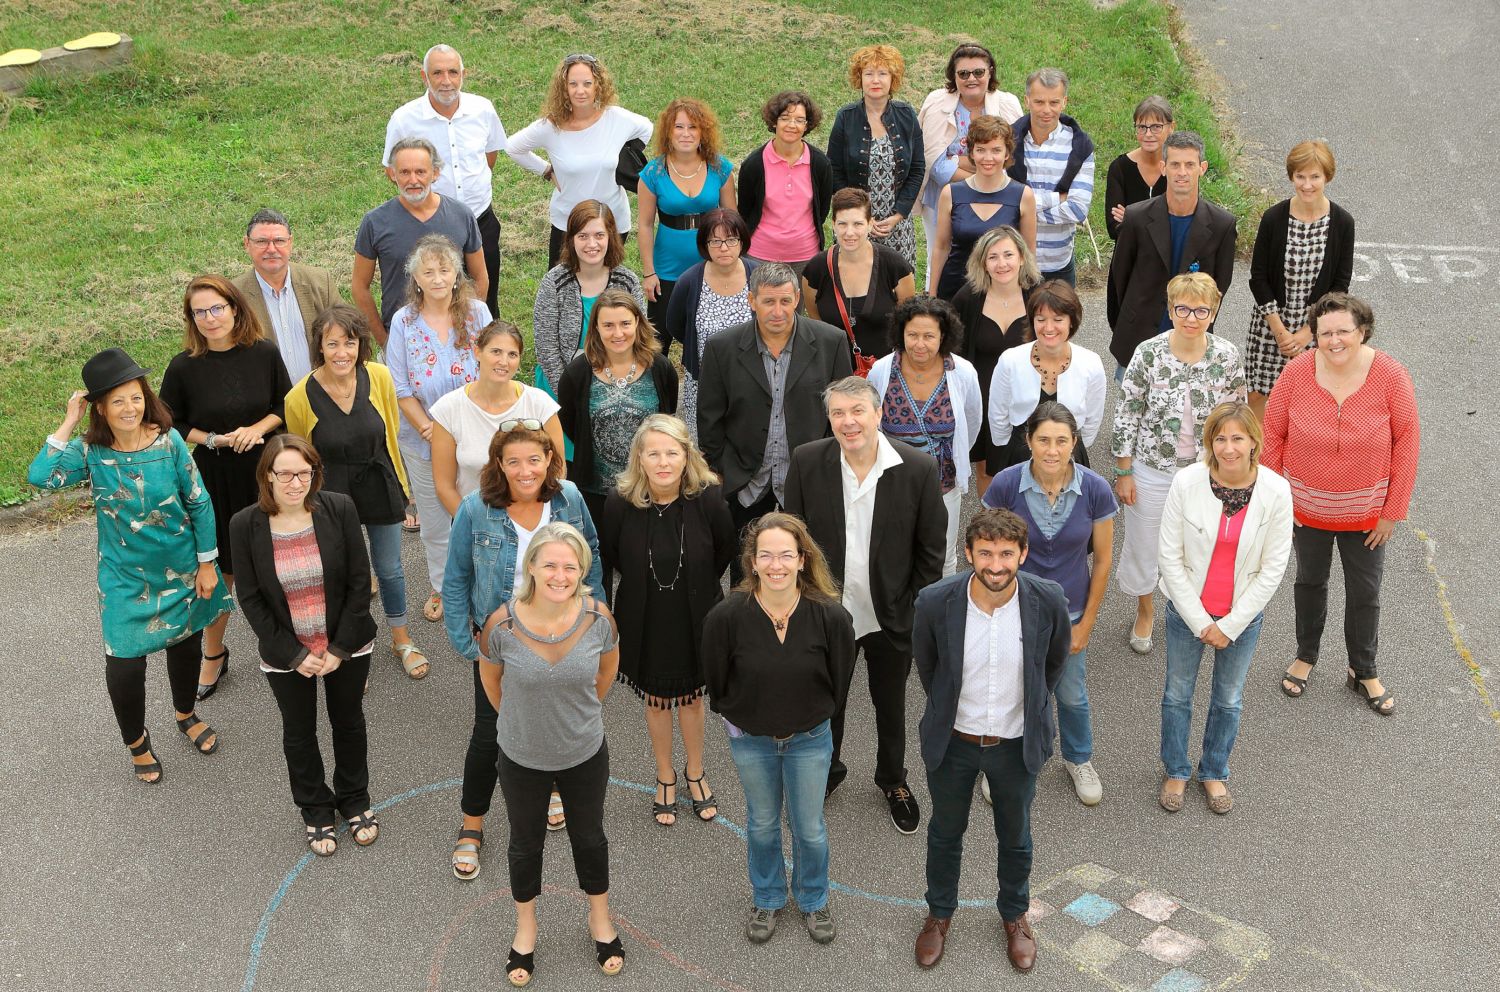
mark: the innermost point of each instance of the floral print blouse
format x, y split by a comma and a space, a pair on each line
1149, 417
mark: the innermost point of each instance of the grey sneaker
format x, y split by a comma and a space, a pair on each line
762, 924
1085, 782
820, 925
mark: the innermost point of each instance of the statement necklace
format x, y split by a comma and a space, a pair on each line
779, 622
620, 383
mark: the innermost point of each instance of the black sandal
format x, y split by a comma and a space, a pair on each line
317, 835
1301, 684
664, 809
187, 723
206, 689
1376, 703
140, 750
516, 961
707, 802
604, 950
363, 821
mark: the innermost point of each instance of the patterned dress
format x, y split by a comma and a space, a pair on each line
715, 313
883, 188
1306, 244
929, 425
617, 412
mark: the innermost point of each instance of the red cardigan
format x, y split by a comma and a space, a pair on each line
1348, 466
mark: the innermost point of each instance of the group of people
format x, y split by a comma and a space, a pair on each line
827, 422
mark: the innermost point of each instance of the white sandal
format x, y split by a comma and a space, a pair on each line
411, 659
555, 808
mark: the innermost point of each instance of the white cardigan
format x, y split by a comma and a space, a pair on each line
1189, 531
968, 408
1015, 388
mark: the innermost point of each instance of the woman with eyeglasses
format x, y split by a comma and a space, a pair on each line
305, 592
346, 406
710, 297
688, 178
778, 656
988, 199
1170, 385
226, 392
786, 184
969, 90
583, 131
1140, 173
521, 488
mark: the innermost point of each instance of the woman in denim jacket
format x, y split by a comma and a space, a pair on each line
520, 491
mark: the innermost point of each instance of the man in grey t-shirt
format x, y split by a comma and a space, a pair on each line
388, 233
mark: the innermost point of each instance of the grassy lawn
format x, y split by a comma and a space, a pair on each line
122, 187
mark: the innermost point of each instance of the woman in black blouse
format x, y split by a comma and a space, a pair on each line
225, 390
1140, 173
856, 284
668, 532
778, 655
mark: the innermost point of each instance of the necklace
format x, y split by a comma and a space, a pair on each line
684, 175
336, 391
660, 511
779, 622
609, 373
1046, 373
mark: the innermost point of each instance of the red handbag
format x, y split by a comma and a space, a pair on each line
862, 362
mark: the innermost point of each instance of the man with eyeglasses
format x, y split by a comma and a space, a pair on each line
467, 132
1165, 237
285, 296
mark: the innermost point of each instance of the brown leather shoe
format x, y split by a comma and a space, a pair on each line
930, 941
1020, 944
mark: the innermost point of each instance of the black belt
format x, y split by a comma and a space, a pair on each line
679, 222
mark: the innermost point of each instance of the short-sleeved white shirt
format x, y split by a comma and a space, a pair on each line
463, 142
473, 428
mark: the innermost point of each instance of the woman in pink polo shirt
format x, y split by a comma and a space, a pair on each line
1341, 425
786, 185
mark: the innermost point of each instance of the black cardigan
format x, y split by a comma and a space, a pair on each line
346, 581
752, 188
682, 311
1268, 263
849, 150
573, 413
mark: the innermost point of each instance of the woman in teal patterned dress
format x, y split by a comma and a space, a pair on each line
159, 585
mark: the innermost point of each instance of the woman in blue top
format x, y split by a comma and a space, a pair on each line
987, 199
689, 177
520, 491
1069, 510
158, 584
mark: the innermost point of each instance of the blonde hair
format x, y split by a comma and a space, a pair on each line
1194, 286
979, 274
814, 580
554, 533
1236, 412
558, 108
1310, 154
461, 301
696, 475
877, 56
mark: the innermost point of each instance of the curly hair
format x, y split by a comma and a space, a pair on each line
710, 138
461, 302
877, 57
779, 104
557, 108
950, 328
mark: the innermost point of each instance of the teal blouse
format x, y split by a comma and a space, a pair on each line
155, 525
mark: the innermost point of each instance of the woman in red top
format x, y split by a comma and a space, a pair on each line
1341, 425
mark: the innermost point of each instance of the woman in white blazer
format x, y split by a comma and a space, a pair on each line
1226, 534
930, 397
1051, 368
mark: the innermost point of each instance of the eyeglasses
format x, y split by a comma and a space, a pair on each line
1345, 332
723, 242
268, 242
527, 422
788, 119
578, 57
305, 475
971, 73
217, 310
1150, 128
783, 558
1183, 312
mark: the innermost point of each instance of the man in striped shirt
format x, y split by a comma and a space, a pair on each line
1055, 157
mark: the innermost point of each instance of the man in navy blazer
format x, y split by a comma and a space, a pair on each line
989, 646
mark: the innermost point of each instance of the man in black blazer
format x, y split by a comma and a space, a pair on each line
875, 507
1165, 237
760, 393
989, 645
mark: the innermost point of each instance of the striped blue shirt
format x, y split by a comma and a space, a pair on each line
1056, 220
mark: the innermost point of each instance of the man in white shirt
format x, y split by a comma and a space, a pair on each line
466, 131
989, 646
285, 296
884, 542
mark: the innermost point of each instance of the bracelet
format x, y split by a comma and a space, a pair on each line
212, 440
648, 275
1121, 473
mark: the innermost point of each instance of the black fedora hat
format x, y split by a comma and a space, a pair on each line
108, 369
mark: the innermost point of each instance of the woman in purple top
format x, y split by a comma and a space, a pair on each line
1069, 510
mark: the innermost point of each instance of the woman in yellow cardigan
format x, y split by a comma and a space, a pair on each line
346, 406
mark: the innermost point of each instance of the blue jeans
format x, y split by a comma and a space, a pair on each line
796, 768
951, 785
1073, 724
385, 558
1068, 273
1184, 654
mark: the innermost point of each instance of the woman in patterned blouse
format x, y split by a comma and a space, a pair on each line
1171, 384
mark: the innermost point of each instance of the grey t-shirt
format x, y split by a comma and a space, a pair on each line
388, 233
551, 717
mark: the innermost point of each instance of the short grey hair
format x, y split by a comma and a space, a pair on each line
1049, 78
1186, 139
265, 215
442, 50
853, 385
421, 144
773, 274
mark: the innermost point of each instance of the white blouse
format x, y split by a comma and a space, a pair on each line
473, 429
583, 162
1016, 387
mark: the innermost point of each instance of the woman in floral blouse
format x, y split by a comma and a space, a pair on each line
1170, 385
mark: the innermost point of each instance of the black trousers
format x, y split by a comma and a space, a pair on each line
743, 517
951, 785
527, 792
484, 750
1363, 570
595, 503
343, 692
125, 678
656, 312
555, 242
888, 668
489, 237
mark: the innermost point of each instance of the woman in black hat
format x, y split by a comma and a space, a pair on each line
159, 586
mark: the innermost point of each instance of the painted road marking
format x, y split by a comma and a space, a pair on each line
1437, 265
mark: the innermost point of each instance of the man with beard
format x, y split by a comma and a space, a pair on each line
469, 136
989, 646
388, 233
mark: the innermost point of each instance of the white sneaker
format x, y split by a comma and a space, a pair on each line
1085, 782
984, 788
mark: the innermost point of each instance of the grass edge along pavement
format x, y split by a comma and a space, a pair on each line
137, 179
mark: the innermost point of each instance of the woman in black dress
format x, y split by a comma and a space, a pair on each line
1140, 173
225, 390
668, 532
992, 307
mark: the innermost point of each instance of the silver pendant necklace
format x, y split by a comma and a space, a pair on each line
620, 383
658, 513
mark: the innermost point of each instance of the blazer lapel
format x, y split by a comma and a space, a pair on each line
750, 360
1200, 236
1160, 230
304, 298
804, 351
958, 612
832, 482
